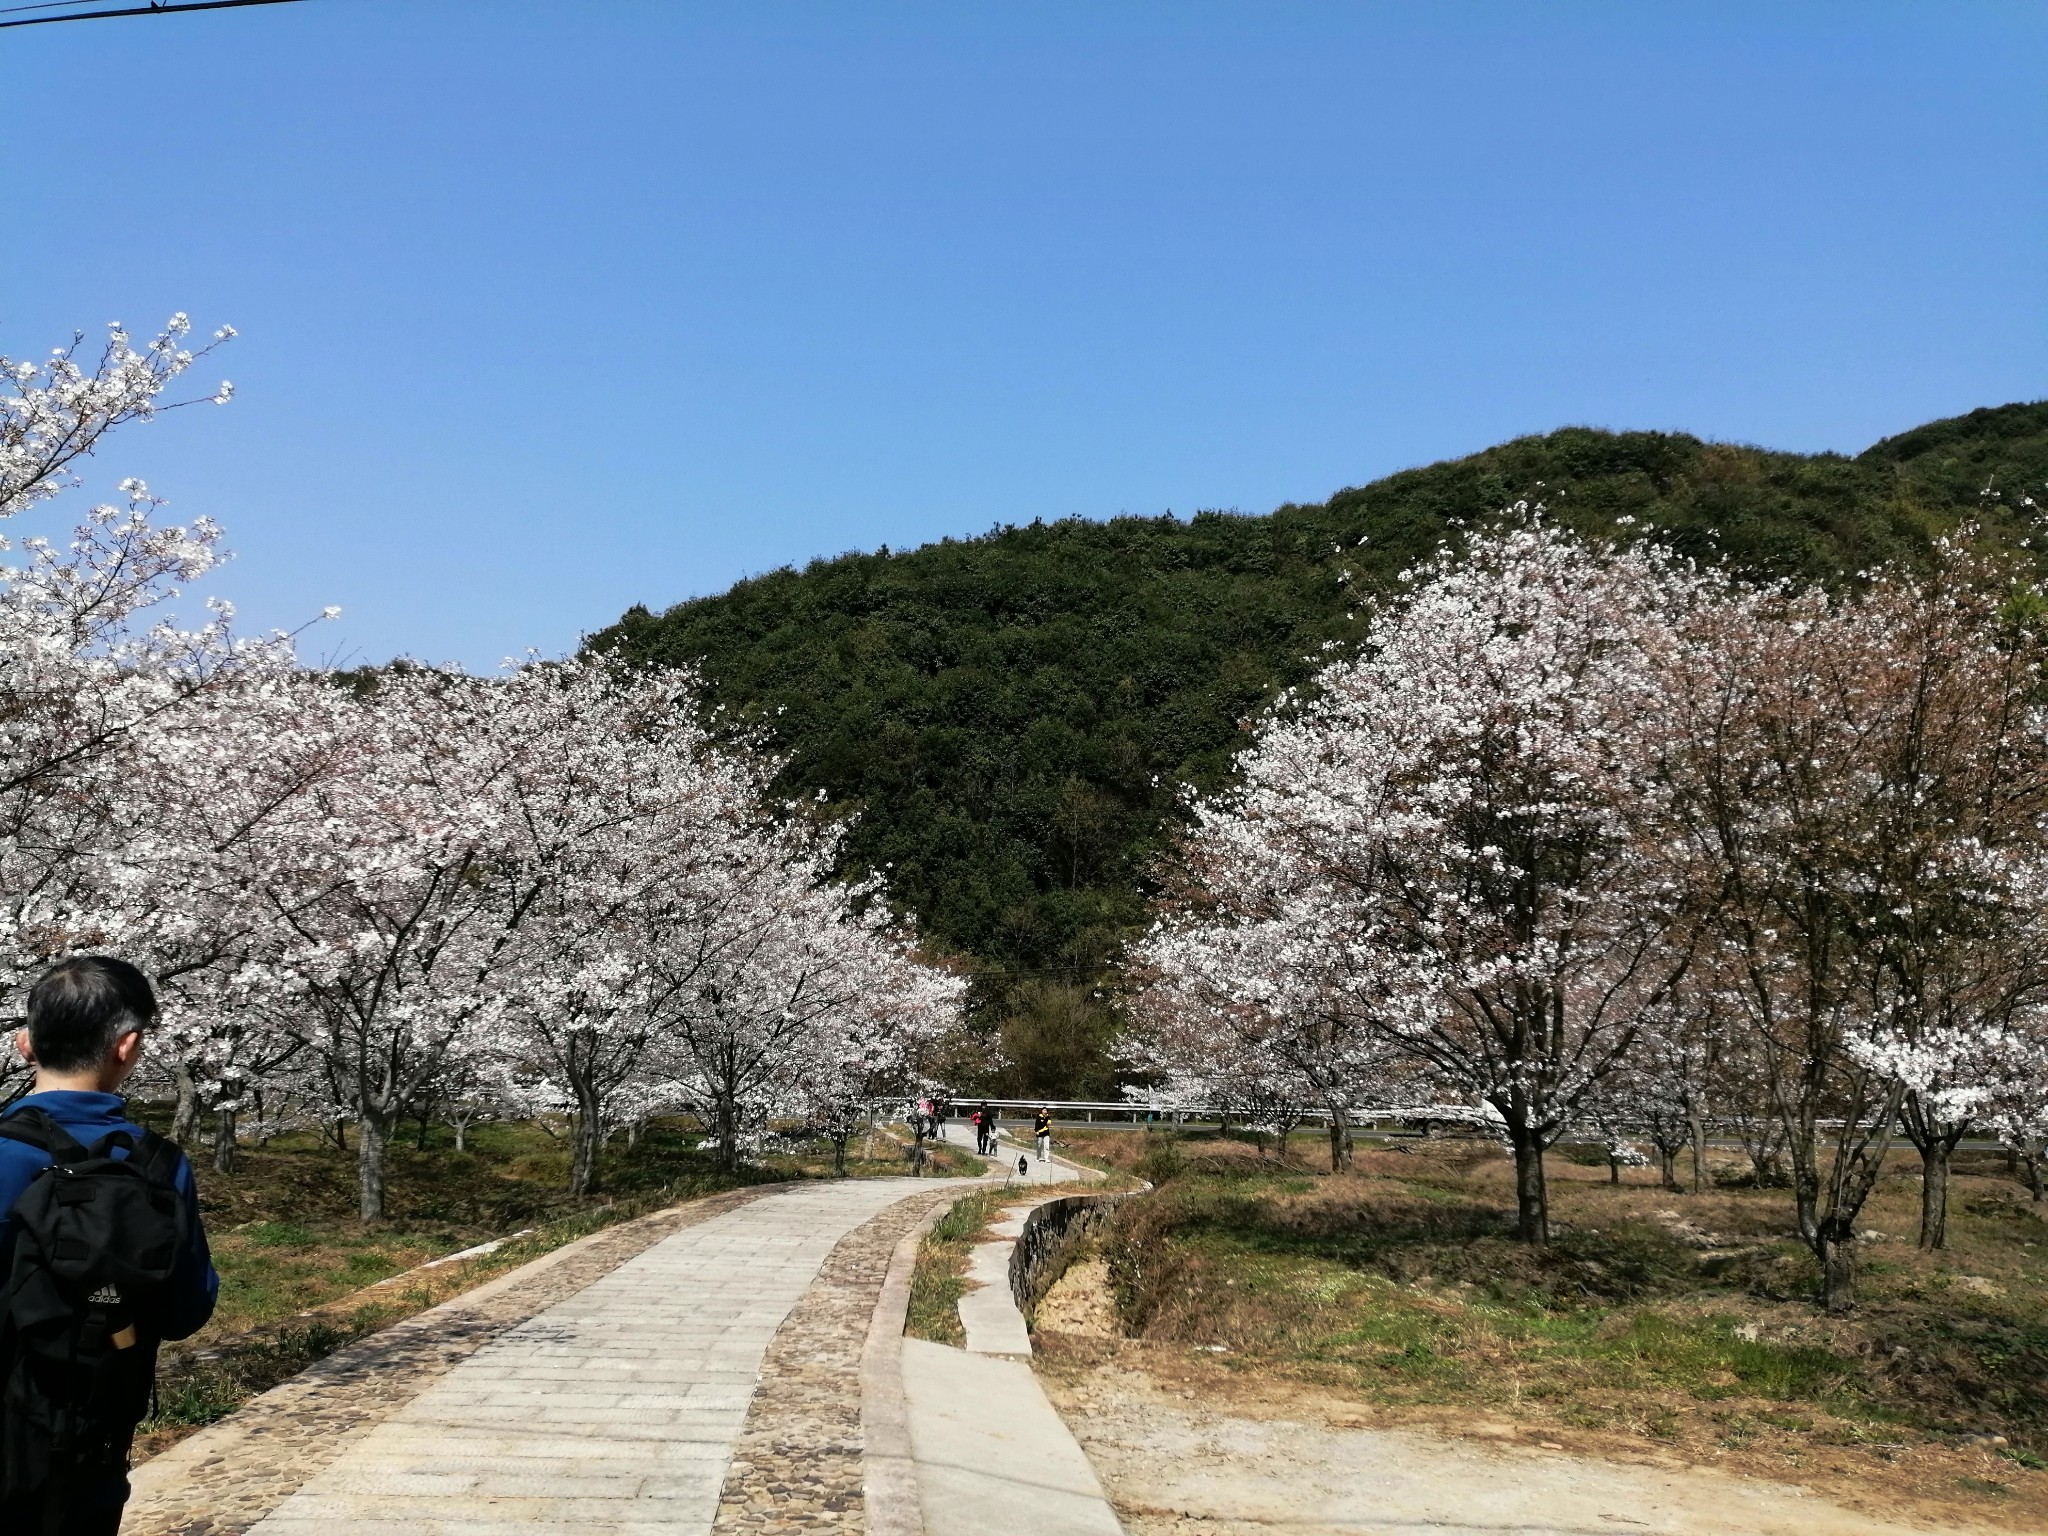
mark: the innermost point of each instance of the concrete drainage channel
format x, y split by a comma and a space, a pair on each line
990, 1452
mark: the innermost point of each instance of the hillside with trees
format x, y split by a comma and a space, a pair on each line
1011, 718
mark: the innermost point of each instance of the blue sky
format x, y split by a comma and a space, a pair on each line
552, 307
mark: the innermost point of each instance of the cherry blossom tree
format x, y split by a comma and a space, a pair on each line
391, 909
1257, 1013
1958, 905
81, 664
54, 413
2014, 1105
1454, 826
760, 958
611, 808
872, 1048
1857, 785
366, 895
88, 676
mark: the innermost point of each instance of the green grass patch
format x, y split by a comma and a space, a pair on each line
1403, 1282
212, 1387
939, 1279
1707, 1359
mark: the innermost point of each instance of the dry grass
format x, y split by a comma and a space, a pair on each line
1668, 1325
939, 1279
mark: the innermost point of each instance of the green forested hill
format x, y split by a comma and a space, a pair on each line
1011, 715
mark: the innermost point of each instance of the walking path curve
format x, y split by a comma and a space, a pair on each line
708, 1382
959, 1132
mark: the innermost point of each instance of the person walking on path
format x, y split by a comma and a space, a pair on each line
985, 1119
78, 1355
1041, 1127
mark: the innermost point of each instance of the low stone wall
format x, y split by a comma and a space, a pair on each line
1050, 1235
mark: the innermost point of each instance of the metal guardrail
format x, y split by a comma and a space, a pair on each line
1365, 1118
1072, 1112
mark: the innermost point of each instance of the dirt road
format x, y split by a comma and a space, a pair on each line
1174, 1465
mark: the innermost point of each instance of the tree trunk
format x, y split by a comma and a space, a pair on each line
1613, 1169
839, 1153
186, 1118
461, 1135
1696, 1123
584, 1142
2034, 1182
729, 1137
1532, 1197
373, 1132
1667, 1168
224, 1141
1934, 1193
1340, 1139
1806, 1208
1836, 1251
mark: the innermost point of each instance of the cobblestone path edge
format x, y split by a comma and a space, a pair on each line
892, 1506
806, 1458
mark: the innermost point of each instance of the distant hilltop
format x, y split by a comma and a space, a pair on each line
1011, 715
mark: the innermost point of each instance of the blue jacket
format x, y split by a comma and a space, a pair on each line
86, 1117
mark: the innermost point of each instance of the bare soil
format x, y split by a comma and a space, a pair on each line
1256, 1345
1179, 1463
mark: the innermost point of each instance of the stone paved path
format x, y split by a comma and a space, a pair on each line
614, 1412
225, 1478
800, 1463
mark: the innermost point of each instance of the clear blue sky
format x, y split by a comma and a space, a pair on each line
551, 306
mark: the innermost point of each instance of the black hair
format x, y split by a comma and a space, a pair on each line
80, 1007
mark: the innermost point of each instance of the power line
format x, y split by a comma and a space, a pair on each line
155, 8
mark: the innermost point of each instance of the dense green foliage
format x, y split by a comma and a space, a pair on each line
1012, 716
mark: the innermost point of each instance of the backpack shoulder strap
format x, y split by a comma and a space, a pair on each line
32, 1125
159, 1158
151, 1155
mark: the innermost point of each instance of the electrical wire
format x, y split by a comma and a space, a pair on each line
156, 8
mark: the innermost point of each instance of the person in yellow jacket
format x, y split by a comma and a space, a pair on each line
1041, 1127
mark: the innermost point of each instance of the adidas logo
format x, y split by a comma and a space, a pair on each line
105, 1296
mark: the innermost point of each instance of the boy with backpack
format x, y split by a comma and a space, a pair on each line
102, 1255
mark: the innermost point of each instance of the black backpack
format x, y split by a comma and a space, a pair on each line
95, 1239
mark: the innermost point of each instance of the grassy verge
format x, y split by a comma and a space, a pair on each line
945, 1161
301, 1275
940, 1278
938, 1281
1673, 1324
